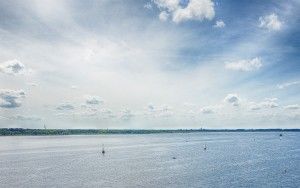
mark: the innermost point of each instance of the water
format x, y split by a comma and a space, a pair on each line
231, 160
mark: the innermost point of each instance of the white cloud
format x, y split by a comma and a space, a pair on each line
287, 84
93, 100
163, 16
244, 65
11, 98
267, 103
12, 67
271, 99
158, 111
195, 10
65, 107
254, 106
74, 87
25, 118
270, 22
212, 109
148, 6
3, 117
219, 24
32, 84
89, 113
169, 5
126, 114
232, 99
165, 111
151, 107
292, 107
107, 114
207, 110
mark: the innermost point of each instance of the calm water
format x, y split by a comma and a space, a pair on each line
231, 160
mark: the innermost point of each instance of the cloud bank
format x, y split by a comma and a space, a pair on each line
166, 53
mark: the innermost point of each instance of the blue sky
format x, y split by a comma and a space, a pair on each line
150, 64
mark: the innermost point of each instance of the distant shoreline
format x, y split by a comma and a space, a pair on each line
46, 132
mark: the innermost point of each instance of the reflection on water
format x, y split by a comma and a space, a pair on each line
156, 160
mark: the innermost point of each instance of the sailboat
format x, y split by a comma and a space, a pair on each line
205, 147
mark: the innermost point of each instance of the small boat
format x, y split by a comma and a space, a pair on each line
103, 151
205, 147
280, 134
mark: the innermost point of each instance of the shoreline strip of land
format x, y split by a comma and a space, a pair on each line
46, 132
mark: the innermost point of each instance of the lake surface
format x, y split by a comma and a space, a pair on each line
239, 159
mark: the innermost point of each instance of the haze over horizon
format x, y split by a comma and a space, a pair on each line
150, 64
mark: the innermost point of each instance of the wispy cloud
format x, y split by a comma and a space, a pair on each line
288, 84
292, 107
25, 118
244, 65
65, 106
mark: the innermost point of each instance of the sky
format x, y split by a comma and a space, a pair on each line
150, 64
